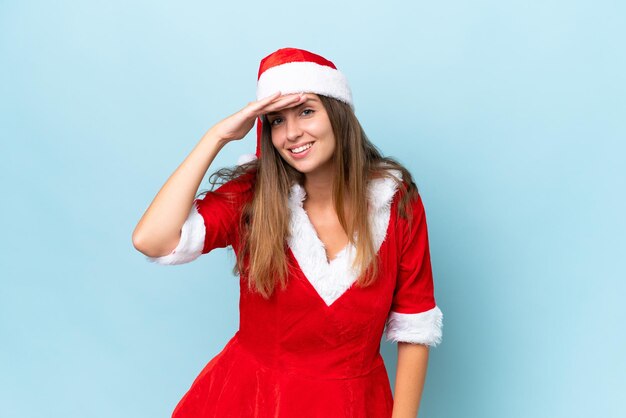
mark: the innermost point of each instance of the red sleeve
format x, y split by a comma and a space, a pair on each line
220, 210
414, 284
212, 221
414, 316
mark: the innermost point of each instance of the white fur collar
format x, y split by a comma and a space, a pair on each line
331, 280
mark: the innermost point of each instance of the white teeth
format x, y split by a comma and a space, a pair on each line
302, 148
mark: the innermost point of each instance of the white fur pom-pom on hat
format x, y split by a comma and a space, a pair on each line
245, 158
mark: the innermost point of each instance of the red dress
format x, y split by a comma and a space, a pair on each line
313, 349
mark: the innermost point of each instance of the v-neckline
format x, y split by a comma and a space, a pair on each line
307, 218
339, 253
331, 279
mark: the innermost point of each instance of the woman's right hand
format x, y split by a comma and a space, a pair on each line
237, 125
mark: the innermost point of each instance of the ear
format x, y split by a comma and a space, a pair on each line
245, 158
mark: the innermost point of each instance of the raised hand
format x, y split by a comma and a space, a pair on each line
237, 125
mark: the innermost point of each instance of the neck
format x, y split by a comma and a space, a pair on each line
319, 188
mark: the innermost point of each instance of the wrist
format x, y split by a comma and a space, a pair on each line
215, 138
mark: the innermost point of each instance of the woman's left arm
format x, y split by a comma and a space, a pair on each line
410, 377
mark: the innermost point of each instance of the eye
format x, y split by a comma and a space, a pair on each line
273, 122
308, 110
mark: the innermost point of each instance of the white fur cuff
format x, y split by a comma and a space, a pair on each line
420, 328
191, 241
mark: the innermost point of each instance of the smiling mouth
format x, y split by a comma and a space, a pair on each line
301, 148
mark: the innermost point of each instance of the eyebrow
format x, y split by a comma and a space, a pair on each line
309, 99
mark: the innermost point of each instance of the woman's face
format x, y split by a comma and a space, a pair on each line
303, 135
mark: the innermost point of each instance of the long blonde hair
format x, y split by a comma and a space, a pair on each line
264, 221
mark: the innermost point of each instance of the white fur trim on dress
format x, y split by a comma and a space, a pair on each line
191, 241
332, 279
296, 77
419, 328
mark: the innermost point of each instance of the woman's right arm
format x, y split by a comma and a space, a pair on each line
159, 229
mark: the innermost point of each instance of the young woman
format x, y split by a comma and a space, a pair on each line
332, 252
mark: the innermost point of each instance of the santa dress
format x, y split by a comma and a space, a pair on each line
313, 349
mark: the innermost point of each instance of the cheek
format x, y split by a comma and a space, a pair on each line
332, 144
275, 139
329, 135
320, 129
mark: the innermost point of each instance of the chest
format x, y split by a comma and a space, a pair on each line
326, 225
321, 247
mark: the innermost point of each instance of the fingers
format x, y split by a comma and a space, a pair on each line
270, 98
273, 103
263, 102
283, 102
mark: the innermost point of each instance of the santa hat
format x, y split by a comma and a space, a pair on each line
292, 70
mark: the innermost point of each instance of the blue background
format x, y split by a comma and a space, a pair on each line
510, 115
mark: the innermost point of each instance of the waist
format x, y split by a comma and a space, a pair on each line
312, 363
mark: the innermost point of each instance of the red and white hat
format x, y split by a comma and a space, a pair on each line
292, 70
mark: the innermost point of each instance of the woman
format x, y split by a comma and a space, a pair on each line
332, 251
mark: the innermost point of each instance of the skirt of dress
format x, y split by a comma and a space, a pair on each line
234, 384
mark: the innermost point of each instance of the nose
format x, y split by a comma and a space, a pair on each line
292, 129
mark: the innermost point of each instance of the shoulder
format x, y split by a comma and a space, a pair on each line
393, 183
231, 194
399, 187
242, 184
382, 188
